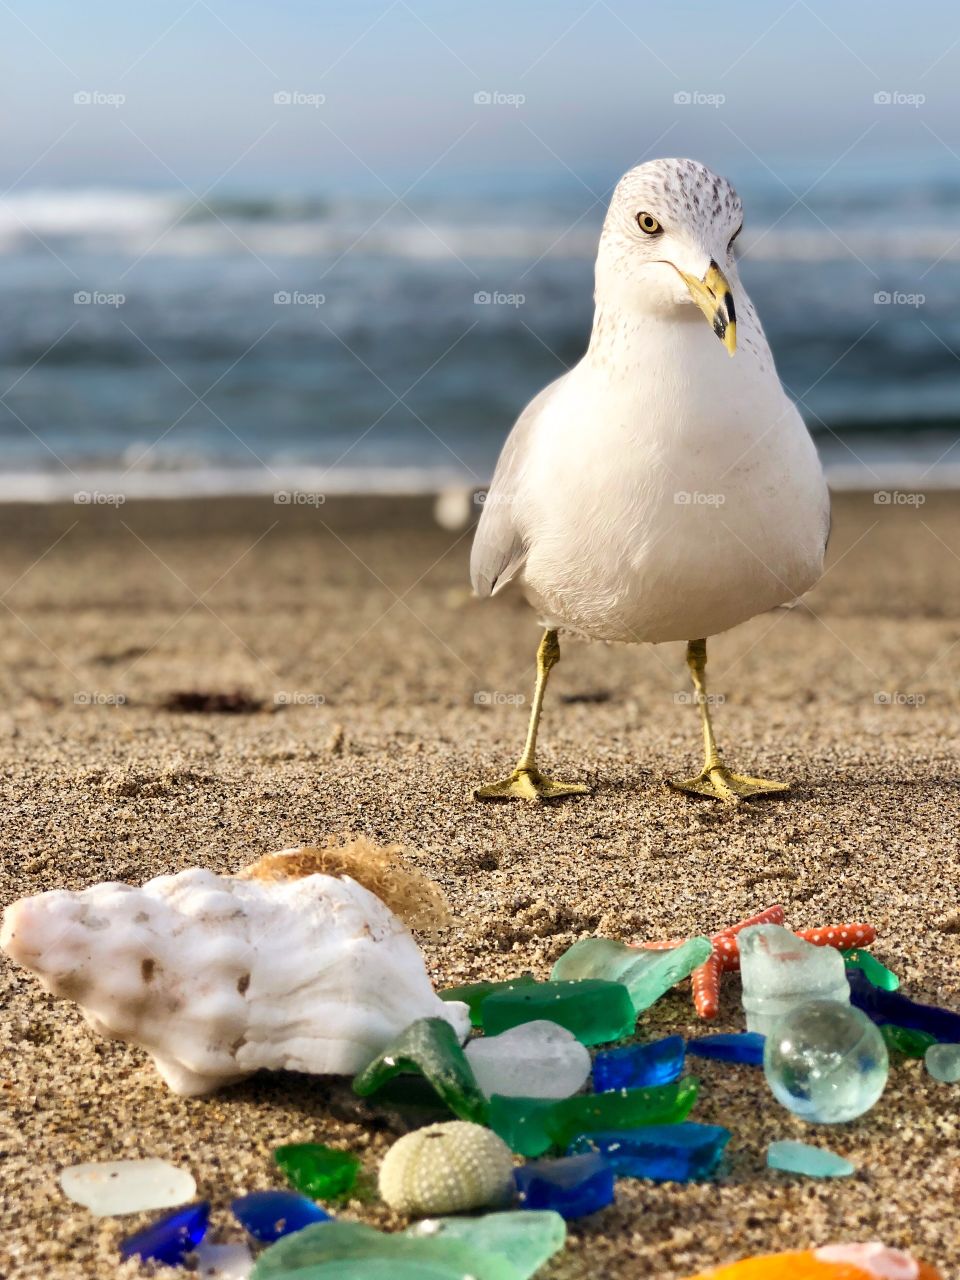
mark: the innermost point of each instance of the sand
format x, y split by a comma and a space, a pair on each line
386, 693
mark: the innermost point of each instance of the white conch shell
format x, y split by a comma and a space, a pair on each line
218, 977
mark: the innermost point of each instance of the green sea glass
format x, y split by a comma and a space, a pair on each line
809, 1161
594, 1011
429, 1046
474, 993
877, 974
532, 1126
352, 1251
905, 1041
318, 1171
943, 1062
526, 1238
647, 975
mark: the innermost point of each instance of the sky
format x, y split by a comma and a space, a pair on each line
382, 93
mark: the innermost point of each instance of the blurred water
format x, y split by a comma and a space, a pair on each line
336, 343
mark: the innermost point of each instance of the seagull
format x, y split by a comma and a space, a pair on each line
659, 490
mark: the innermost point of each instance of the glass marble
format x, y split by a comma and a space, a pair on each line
531, 1127
660, 1152
595, 1011
647, 974
169, 1239
268, 1215
826, 1062
573, 1186
318, 1171
430, 1047
637, 1066
943, 1062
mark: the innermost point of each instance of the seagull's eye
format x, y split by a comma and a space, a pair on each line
733, 237
648, 224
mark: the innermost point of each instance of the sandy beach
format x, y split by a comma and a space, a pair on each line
375, 694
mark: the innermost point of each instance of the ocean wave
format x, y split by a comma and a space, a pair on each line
173, 225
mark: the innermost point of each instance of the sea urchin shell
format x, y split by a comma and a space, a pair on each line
447, 1168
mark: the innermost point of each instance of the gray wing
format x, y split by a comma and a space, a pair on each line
499, 549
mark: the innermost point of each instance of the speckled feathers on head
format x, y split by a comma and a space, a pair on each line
679, 193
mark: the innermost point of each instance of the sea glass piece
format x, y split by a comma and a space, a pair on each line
474, 993
637, 1066
826, 1062
875, 973
811, 1162
169, 1239
745, 1047
903, 1040
531, 1126
943, 1062
893, 1006
535, 1060
661, 1152
112, 1187
268, 1215
428, 1046
647, 975
780, 971
572, 1186
527, 1239
593, 1010
318, 1171
352, 1251
222, 1261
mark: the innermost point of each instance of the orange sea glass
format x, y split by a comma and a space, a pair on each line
803, 1265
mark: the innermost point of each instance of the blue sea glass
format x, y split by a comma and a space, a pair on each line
268, 1215
891, 1006
663, 1152
638, 1065
572, 1186
745, 1047
826, 1062
169, 1239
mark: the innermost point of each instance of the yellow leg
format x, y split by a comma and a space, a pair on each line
527, 782
715, 779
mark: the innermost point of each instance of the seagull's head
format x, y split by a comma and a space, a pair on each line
667, 241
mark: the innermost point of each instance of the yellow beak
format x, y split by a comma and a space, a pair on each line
713, 296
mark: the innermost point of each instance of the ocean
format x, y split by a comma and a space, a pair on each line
331, 341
